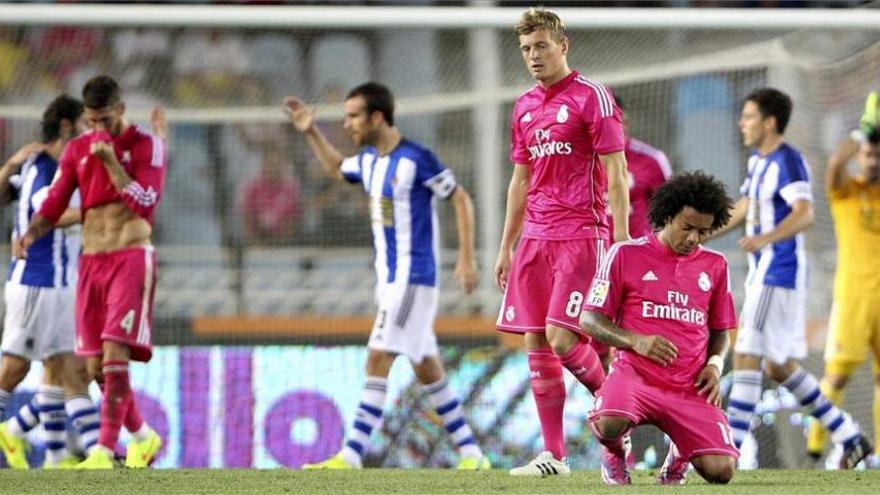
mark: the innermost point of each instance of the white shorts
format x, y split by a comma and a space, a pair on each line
773, 323
39, 321
405, 321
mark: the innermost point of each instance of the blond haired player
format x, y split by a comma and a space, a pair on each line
568, 150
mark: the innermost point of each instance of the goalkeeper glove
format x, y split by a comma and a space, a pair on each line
868, 121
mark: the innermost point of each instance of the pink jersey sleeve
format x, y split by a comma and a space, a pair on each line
519, 153
62, 187
722, 315
605, 121
142, 194
606, 292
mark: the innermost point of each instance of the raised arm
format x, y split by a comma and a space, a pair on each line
618, 193
303, 119
836, 174
513, 221
465, 266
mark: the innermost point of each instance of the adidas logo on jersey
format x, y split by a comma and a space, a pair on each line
649, 277
527, 117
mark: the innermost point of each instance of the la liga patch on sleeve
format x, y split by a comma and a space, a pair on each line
598, 292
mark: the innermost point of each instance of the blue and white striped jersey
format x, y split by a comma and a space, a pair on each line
774, 183
52, 259
402, 187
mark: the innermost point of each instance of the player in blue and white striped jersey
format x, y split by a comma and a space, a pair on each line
403, 181
39, 296
777, 206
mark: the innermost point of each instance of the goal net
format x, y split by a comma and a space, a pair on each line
265, 295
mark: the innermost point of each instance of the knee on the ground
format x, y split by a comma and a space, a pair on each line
718, 471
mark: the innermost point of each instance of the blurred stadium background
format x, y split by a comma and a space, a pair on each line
263, 307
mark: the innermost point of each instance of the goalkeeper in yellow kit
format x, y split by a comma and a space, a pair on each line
854, 326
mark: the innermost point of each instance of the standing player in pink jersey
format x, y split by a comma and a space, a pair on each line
664, 302
566, 131
119, 169
648, 168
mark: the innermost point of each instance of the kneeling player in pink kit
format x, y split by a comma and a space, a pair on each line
664, 302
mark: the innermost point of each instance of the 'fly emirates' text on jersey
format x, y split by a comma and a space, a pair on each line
140, 153
559, 133
645, 287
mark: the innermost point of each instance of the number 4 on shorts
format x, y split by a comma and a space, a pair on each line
127, 322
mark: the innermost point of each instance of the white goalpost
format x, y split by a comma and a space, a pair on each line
221, 73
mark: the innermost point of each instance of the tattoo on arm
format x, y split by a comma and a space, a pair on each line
605, 331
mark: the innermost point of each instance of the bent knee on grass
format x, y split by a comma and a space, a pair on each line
715, 469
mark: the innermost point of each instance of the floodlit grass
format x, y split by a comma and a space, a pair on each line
415, 482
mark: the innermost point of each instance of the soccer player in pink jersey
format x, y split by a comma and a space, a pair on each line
648, 168
664, 302
119, 169
567, 146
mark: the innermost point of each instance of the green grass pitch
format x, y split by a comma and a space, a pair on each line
416, 482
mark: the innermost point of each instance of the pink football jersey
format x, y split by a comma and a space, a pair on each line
648, 169
645, 287
140, 153
558, 132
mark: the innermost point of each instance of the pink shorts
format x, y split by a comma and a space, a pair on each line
696, 427
114, 301
548, 284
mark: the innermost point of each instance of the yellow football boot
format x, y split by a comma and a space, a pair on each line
474, 463
141, 454
14, 449
100, 458
335, 462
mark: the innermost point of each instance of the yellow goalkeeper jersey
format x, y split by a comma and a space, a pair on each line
855, 208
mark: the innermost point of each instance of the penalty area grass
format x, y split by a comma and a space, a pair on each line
416, 482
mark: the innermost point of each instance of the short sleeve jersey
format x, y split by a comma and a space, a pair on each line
773, 184
559, 133
645, 287
648, 169
402, 187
